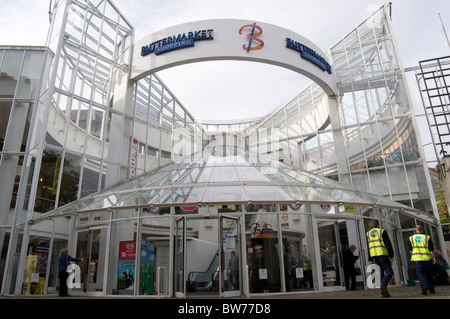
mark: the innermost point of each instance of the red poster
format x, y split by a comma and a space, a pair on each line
127, 250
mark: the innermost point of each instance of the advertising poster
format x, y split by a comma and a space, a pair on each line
127, 266
147, 268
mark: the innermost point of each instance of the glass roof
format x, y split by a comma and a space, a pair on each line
235, 178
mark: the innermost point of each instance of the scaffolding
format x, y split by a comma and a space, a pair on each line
433, 78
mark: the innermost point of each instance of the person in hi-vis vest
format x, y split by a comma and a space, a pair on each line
421, 248
381, 254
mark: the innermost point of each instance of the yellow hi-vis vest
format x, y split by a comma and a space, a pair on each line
419, 243
376, 244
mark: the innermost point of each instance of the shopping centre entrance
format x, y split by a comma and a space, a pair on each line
228, 255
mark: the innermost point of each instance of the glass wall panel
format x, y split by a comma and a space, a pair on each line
5, 111
91, 175
19, 127
61, 228
10, 174
37, 262
154, 256
10, 72
122, 257
263, 253
299, 255
4, 240
15, 253
48, 181
92, 250
70, 179
31, 73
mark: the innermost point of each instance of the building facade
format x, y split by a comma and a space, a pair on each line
100, 157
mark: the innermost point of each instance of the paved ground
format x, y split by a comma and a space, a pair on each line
400, 292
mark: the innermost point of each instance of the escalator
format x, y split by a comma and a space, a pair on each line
207, 280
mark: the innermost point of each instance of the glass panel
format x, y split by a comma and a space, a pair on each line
91, 173
12, 275
97, 122
62, 229
48, 181
178, 271
263, 258
91, 245
122, 259
329, 253
70, 179
31, 73
202, 257
10, 173
4, 237
10, 72
224, 194
154, 256
224, 174
266, 193
19, 127
36, 266
230, 256
299, 258
5, 111
82, 253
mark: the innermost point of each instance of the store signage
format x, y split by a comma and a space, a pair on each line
134, 145
252, 36
182, 40
309, 54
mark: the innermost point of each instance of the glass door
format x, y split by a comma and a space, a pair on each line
179, 272
91, 247
330, 274
230, 274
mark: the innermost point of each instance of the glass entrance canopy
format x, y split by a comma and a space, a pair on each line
226, 176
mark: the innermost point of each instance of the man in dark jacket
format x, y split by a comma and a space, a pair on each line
349, 267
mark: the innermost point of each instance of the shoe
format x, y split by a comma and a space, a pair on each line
424, 291
384, 291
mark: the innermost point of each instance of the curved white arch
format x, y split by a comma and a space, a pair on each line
227, 39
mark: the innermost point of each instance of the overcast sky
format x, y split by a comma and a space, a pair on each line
224, 90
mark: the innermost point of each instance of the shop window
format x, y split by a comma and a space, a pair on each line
263, 259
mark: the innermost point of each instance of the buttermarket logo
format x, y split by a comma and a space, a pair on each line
373, 233
182, 40
252, 37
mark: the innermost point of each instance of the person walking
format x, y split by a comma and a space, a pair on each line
422, 254
381, 254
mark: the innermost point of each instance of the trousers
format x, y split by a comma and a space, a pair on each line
385, 268
424, 270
